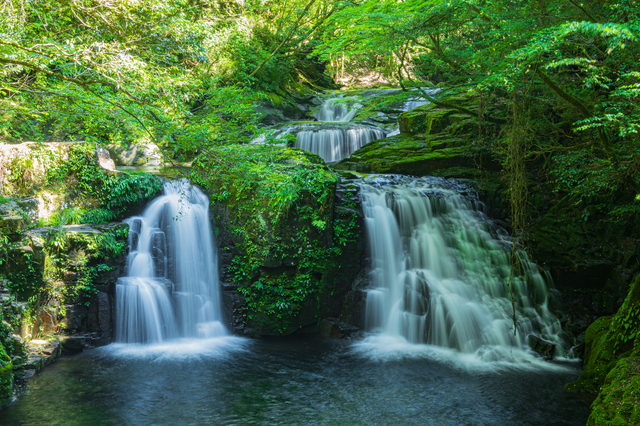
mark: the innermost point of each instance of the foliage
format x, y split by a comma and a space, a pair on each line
181, 74
569, 69
279, 202
87, 255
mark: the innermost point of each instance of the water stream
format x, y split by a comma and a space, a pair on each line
171, 287
337, 143
440, 274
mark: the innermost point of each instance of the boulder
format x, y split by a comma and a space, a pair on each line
147, 154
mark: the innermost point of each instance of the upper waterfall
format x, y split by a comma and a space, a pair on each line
440, 270
334, 111
171, 287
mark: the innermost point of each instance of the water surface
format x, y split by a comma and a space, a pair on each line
311, 380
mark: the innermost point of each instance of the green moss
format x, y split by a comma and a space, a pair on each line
6, 376
619, 400
24, 269
612, 364
599, 357
410, 155
426, 119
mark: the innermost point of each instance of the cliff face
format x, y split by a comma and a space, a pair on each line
61, 250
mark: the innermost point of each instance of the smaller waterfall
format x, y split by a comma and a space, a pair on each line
171, 288
334, 111
335, 144
440, 270
418, 101
414, 103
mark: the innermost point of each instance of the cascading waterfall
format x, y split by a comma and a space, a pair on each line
333, 111
171, 289
440, 269
335, 144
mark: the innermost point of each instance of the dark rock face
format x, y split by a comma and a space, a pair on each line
335, 282
541, 346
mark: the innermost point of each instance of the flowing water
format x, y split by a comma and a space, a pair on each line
440, 274
305, 381
337, 110
171, 287
334, 139
335, 144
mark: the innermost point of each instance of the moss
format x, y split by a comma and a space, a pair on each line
411, 155
612, 364
619, 400
426, 119
608, 340
6, 377
599, 357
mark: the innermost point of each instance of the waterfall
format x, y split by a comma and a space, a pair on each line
414, 103
440, 269
171, 286
332, 111
335, 144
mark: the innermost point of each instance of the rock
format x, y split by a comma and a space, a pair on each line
75, 344
136, 155
81, 229
6, 377
336, 329
608, 341
11, 225
286, 268
618, 402
402, 154
104, 160
541, 346
427, 119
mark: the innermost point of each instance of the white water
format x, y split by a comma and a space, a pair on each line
418, 101
335, 144
439, 275
171, 289
333, 111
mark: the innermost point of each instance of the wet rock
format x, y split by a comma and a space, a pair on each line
541, 346
336, 329
75, 344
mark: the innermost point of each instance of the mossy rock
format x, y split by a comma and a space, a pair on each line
618, 403
599, 357
6, 377
442, 155
609, 339
24, 268
426, 119
612, 364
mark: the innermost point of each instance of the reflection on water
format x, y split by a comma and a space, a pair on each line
294, 381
